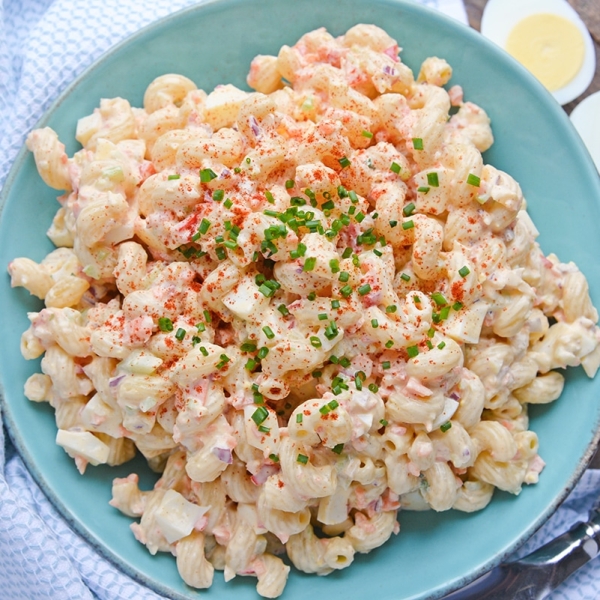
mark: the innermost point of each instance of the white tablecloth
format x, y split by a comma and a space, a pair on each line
44, 45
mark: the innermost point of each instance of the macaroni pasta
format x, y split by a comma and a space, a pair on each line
307, 306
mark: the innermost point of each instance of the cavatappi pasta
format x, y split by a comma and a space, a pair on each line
307, 307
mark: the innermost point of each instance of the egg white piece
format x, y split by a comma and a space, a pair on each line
500, 17
586, 118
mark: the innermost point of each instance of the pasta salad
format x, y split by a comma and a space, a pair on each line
308, 307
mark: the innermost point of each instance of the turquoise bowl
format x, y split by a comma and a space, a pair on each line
213, 43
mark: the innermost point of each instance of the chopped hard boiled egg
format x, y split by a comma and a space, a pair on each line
83, 444
548, 38
176, 516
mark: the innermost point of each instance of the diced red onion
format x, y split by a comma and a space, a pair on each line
114, 382
264, 473
223, 454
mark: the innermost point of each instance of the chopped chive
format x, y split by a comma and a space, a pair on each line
392, 308
347, 253
377, 252
309, 263
266, 291
405, 277
444, 427
268, 332
312, 296
393, 224
204, 226
207, 316
274, 457
180, 334
262, 353
360, 217
282, 308
358, 382
338, 448
195, 340
224, 360
165, 324
335, 304
218, 195
344, 162
172, 177
264, 429
331, 331
417, 299
464, 271
433, 180
346, 291
324, 409
329, 205
297, 201
334, 265
317, 374
299, 252
228, 203
322, 316
417, 143
344, 276
457, 305
386, 364
333, 404
423, 189
315, 341
441, 345
260, 415
204, 350
412, 351
363, 290
439, 299
473, 180
444, 313
207, 175
220, 252
345, 362
299, 418
289, 184
353, 196
389, 343
384, 422
248, 347
430, 332
366, 134
302, 458
408, 225
374, 323
373, 388
395, 167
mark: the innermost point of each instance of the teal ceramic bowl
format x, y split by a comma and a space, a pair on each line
214, 43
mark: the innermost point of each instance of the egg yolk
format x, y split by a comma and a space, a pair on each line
551, 47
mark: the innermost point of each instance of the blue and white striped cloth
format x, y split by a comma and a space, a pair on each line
44, 45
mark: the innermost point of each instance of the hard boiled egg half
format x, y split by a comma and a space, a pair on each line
549, 38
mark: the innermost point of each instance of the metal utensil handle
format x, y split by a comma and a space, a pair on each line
536, 575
